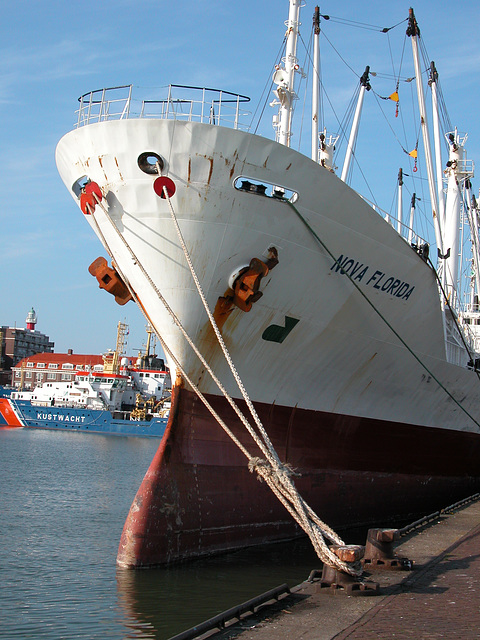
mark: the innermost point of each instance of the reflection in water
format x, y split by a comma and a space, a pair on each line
163, 602
63, 501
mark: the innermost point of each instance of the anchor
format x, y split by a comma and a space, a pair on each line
110, 280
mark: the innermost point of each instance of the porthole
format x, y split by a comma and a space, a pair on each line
149, 162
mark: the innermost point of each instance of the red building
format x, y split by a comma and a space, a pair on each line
52, 367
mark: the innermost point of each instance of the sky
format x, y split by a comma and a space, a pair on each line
51, 52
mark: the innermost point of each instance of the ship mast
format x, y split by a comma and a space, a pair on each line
458, 171
400, 201
364, 86
473, 218
436, 137
145, 358
111, 360
315, 82
149, 337
412, 214
414, 32
284, 77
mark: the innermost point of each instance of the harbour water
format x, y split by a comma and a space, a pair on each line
63, 501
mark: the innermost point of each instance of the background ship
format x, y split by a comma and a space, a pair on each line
121, 399
280, 292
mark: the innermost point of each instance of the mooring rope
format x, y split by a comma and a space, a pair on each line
276, 471
276, 475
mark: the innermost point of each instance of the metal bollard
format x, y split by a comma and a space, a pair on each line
380, 553
337, 581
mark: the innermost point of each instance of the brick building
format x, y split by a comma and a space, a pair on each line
17, 343
52, 367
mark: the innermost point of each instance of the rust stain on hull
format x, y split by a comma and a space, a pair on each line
100, 162
118, 167
211, 170
145, 514
223, 309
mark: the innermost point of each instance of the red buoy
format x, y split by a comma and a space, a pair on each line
93, 188
161, 182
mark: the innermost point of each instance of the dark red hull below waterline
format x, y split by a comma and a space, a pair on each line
198, 497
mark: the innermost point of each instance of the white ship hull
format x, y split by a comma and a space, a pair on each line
357, 369
385, 360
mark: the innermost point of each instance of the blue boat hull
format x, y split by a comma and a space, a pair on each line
21, 413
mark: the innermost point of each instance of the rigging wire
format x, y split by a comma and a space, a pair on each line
307, 55
417, 179
348, 117
364, 25
394, 207
389, 76
440, 97
423, 221
303, 116
340, 56
266, 91
378, 97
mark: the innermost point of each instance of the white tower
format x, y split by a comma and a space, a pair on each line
31, 320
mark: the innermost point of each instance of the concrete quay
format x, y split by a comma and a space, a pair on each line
438, 598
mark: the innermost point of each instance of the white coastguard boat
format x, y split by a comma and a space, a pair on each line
281, 294
120, 397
